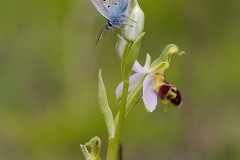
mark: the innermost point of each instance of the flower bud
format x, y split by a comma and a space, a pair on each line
120, 46
135, 23
95, 145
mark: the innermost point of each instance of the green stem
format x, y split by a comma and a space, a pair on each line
114, 142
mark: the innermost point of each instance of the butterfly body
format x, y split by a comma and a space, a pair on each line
115, 11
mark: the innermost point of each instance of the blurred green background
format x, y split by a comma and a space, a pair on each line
48, 80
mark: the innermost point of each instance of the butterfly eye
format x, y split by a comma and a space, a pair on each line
110, 24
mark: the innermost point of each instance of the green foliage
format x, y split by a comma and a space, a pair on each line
104, 106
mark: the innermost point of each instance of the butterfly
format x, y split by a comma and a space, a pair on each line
115, 11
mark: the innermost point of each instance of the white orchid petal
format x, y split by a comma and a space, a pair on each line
139, 69
120, 46
134, 79
118, 91
149, 95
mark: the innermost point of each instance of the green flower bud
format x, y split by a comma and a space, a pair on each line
135, 24
95, 145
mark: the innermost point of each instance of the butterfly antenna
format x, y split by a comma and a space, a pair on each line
129, 25
132, 19
100, 35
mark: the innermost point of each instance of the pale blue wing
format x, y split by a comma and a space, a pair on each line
111, 9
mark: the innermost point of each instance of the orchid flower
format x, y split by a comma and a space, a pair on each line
154, 85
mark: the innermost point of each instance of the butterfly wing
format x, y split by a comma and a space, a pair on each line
110, 9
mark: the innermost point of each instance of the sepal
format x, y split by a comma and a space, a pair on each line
95, 145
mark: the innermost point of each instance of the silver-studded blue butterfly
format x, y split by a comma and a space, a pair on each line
115, 11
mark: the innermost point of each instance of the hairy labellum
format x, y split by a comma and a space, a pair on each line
170, 93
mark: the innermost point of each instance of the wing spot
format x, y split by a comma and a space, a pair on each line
109, 6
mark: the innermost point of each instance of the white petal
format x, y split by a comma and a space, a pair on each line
138, 68
120, 46
134, 79
118, 91
148, 61
149, 95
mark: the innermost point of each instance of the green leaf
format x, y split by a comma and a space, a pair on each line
131, 56
106, 111
125, 54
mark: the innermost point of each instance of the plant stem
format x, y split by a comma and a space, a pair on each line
113, 143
